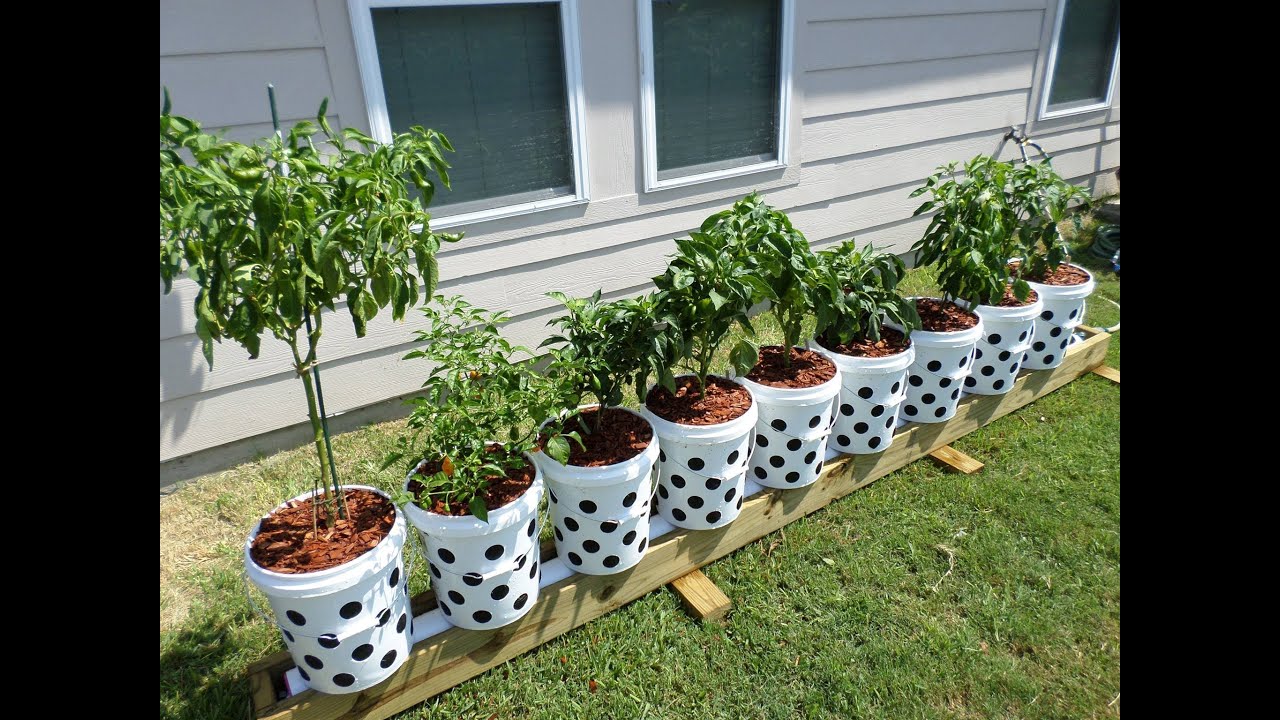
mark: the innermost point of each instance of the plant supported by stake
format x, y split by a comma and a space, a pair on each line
856, 292
273, 232
480, 412
780, 266
1042, 200
973, 233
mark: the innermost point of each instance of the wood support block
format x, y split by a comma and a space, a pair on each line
1109, 373
700, 597
956, 460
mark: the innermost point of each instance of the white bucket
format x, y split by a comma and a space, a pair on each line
943, 360
1064, 307
468, 555
791, 432
478, 601
595, 509
871, 396
348, 627
702, 468
1009, 332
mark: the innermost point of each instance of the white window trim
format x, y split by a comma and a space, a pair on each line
380, 122
1045, 112
644, 10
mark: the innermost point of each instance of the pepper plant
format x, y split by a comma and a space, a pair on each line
974, 231
273, 232
1042, 200
857, 291
480, 393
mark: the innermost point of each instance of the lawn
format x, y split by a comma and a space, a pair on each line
926, 595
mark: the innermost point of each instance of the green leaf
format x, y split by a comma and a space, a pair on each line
744, 356
478, 508
558, 449
391, 459
717, 299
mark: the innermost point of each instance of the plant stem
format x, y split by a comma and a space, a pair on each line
313, 340
314, 415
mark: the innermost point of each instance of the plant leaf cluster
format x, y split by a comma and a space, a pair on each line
857, 292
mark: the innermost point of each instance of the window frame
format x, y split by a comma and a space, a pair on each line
644, 11
1051, 66
361, 12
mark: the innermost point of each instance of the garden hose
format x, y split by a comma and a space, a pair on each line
1106, 241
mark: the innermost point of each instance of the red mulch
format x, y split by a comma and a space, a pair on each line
807, 369
891, 342
287, 543
943, 316
723, 401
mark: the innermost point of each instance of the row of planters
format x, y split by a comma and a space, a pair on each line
275, 232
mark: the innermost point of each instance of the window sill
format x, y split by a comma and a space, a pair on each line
653, 185
451, 221
1066, 112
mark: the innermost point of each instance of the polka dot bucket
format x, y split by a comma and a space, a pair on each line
871, 395
791, 432
601, 514
1008, 333
470, 558
702, 469
347, 628
1064, 307
943, 360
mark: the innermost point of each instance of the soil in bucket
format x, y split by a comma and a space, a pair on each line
723, 400
807, 368
1064, 275
1011, 300
891, 342
622, 436
943, 316
502, 489
287, 542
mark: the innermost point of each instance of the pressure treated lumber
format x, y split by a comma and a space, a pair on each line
956, 460
455, 655
1108, 372
701, 598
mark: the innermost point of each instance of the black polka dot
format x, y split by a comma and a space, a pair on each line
818, 468
520, 563
970, 382
344, 680
696, 464
494, 552
814, 421
482, 616
1046, 315
629, 500
888, 422
662, 490
955, 393
445, 608
695, 502
446, 556
629, 538
927, 398
612, 561
533, 527
740, 502
303, 673
944, 382
1023, 336
575, 558
846, 409
778, 424
591, 546
1037, 346
456, 597
1048, 359
552, 494
295, 617
712, 483
777, 461
910, 409
793, 476
533, 570
662, 455
997, 384
288, 635
964, 361
987, 370
865, 392
587, 507
994, 338
387, 659
934, 366
645, 541
361, 653
842, 439
794, 444
394, 580
728, 495
760, 473
874, 442
678, 514
1064, 344
1013, 369
520, 601
808, 458
677, 480
762, 441
500, 592
733, 457
860, 428
915, 380
434, 570
896, 386
351, 609
559, 535
1073, 314
1055, 332
1004, 356
570, 524
404, 620
713, 517
317, 664
877, 411
608, 526
940, 412
329, 641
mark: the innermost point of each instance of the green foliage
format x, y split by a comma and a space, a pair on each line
1042, 199
478, 393
607, 344
974, 232
858, 291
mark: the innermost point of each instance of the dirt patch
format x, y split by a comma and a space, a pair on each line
943, 316
724, 400
302, 537
1064, 275
891, 342
622, 436
501, 491
1011, 300
807, 368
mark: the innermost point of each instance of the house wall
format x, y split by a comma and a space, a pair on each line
883, 92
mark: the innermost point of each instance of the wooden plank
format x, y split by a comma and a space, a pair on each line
261, 690
956, 460
451, 657
701, 597
1108, 372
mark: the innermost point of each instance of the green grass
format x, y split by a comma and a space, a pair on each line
927, 595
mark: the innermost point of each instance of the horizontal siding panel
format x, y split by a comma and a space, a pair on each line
200, 26
226, 90
820, 10
856, 43
847, 90
866, 132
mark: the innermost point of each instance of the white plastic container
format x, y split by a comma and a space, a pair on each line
1064, 307
1008, 333
871, 395
791, 432
470, 559
601, 514
702, 469
347, 627
943, 360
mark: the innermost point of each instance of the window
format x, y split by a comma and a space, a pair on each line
499, 79
1083, 58
716, 88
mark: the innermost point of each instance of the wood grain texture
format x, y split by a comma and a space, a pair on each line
700, 597
1108, 372
956, 460
440, 662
